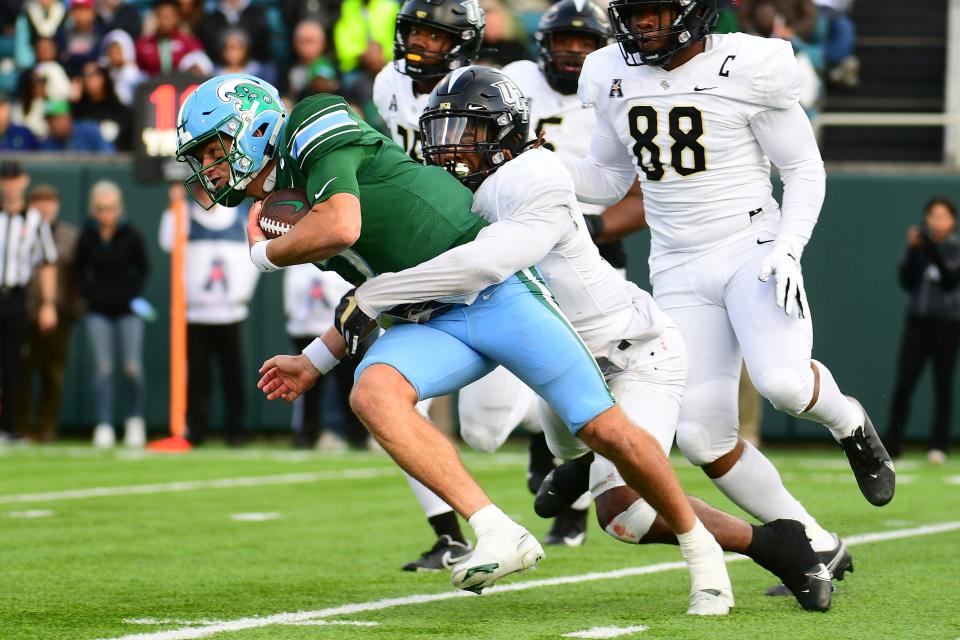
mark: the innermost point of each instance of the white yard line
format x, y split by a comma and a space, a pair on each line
196, 485
190, 633
606, 632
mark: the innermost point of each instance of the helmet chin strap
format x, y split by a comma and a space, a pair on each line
271, 180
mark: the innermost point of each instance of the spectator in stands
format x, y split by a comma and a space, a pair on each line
64, 134
120, 60
220, 281
235, 56
120, 14
162, 51
237, 14
111, 270
313, 72
40, 19
192, 15
100, 106
363, 40
798, 22
504, 40
46, 352
46, 82
82, 34
322, 11
363, 36
930, 273
309, 299
26, 240
843, 67
786, 19
14, 137
196, 63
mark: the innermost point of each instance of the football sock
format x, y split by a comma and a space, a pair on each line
833, 409
754, 484
447, 524
490, 519
701, 552
541, 461
768, 549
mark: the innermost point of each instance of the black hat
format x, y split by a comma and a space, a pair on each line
11, 169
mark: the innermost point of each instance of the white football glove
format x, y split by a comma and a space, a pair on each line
783, 262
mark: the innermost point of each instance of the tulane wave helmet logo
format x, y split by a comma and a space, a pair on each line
248, 96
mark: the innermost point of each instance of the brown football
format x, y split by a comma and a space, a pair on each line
281, 210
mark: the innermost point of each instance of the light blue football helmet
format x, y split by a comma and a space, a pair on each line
246, 115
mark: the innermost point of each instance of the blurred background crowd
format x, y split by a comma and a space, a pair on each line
69, 70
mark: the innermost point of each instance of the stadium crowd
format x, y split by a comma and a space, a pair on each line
69, 70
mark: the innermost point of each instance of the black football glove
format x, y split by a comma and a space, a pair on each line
352, 323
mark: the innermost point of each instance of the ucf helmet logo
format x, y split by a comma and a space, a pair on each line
474, 13
512, 96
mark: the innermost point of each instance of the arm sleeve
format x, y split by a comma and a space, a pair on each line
332, 173
787, 139
911, 269
607, 173
46, 247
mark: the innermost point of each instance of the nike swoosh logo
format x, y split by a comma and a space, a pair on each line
296, 204
317, 195
703, 88
759, 241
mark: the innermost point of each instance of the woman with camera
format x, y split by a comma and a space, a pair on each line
930, 273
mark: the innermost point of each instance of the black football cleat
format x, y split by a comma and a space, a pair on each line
568, 529
562, 487
870, 462
837, 561
443, 555
789, 556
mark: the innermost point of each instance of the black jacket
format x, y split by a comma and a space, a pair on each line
931, 274
110, 274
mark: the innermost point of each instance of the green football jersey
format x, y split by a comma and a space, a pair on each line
410, 212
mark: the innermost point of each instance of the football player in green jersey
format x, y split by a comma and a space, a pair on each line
237, 137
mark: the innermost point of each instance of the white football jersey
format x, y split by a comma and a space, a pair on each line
566, 122
687, 131
599, 302
400, 107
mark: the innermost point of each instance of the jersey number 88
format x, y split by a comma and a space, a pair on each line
687, 155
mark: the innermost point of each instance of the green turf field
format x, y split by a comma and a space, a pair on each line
119, 545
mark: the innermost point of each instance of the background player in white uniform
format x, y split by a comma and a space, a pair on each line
432, 38
529, 199
697, 117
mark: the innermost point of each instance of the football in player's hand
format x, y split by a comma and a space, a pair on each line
281, 210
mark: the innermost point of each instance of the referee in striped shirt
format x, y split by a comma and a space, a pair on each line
25, 241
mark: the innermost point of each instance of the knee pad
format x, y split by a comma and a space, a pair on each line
633, 524
701, 446
481, 437
788, 389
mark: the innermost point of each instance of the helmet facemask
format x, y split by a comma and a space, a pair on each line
674, 24
469, 146
421, 64
222, 179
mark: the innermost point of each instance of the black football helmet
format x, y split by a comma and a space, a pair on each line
580, 17
462, 19
690, 22
475, 111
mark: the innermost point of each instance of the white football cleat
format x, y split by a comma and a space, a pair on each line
711, 593
103, 436
496, 555
710, 602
